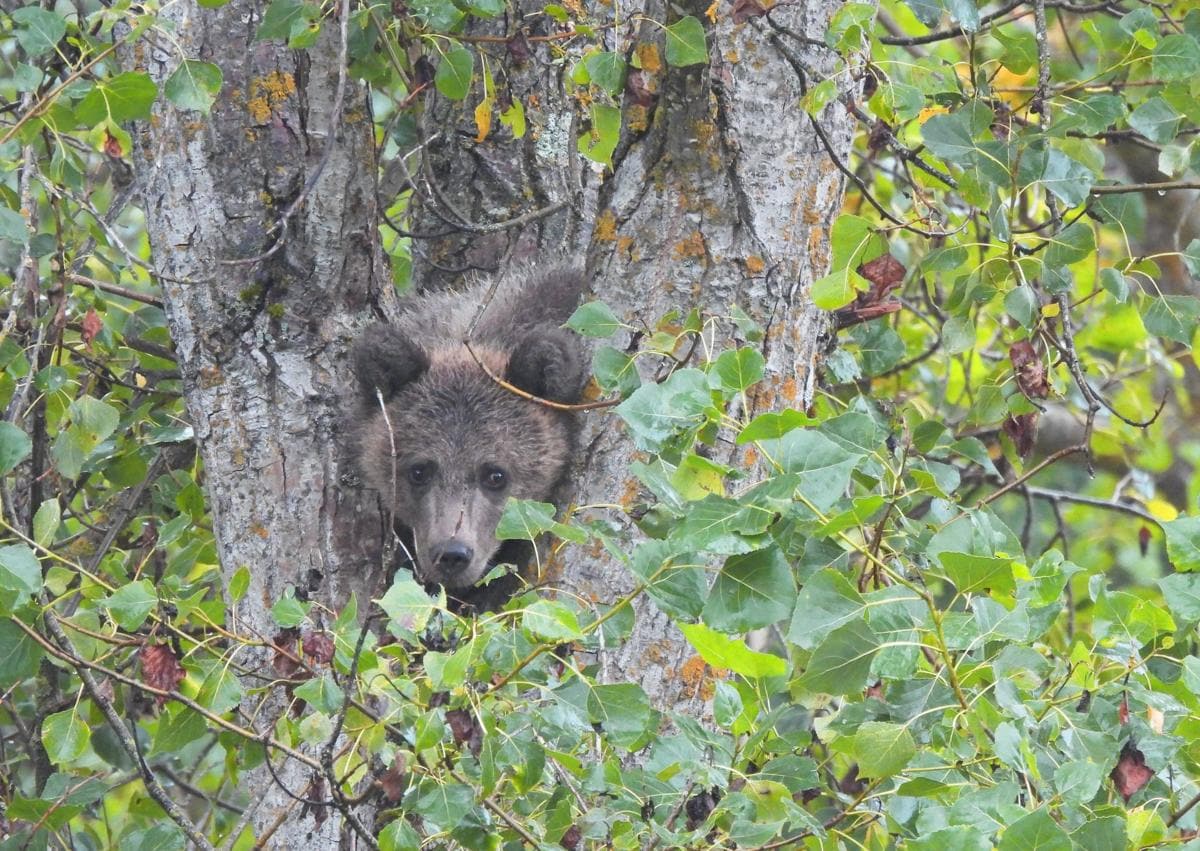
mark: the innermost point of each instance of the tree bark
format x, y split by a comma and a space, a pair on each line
721, 193
262, 316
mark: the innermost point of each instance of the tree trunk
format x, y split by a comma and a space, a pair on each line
721, 193
262, 317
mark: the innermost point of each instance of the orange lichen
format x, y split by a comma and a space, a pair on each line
754, 264
268, 93
637, 118
699, 678
788, 390
692, 246
606, 226
625, 246
260, 530
648, 57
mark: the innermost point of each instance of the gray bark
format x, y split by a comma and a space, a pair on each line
723, 195
261, 343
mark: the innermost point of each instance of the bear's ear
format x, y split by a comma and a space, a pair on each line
549, 363
385, 359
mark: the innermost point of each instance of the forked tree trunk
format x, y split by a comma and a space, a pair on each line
721, 193
261, 339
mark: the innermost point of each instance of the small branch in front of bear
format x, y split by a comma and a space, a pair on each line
548, 403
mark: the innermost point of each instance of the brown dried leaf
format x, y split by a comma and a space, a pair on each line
1029, 370
1123, 710
285, 661
1023, 431
465, 728
318, 646
640, 87
112, 146
571, 839
160, 669
744, 10
91, 326
1131, 773
394, 781
885, 274
1144, 539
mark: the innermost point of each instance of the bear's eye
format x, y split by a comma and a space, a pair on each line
421, 473
493, 477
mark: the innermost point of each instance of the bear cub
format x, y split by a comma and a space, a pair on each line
449, 445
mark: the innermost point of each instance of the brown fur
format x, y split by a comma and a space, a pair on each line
452, 427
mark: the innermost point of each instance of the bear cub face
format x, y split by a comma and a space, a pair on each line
449, 445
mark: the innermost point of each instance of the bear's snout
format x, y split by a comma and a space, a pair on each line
452, 556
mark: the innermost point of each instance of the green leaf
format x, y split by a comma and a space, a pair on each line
19, 569
827, 600
288, 611
824, 466
525, 520
131, 604
1020, 48
721, 651
194, 85
841, 663
1156, 120
1074, 243
21, 657
178, 727
442, 803
599, 142
322, 693
15, 447
65, 736
239, 584
882, 749
551, 620
686, 44
595, 319
738, 369
1173, 316
287, 20
751, 591
1176, 57
624, 712
1115, 284
1181, 591
92, 422
46, 522
771, 425
1183, 542
855, 241
407, 605
615, 371
453, 75
837, 289
1069, 180
38, 30
607, 70
1037, 831
220, 689
971, 573
125, 97
655, 412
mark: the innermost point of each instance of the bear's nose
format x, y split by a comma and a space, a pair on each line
453, 555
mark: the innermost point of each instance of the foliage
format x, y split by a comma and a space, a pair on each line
957, 656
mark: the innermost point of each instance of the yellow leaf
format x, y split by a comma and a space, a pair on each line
483, 118
1160, 509
1051, 310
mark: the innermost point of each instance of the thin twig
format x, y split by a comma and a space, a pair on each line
153, 787
116, 289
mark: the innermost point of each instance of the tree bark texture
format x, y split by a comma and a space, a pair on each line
262, 329
721, 194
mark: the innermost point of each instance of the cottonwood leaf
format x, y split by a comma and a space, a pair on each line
686, 43
194, 85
